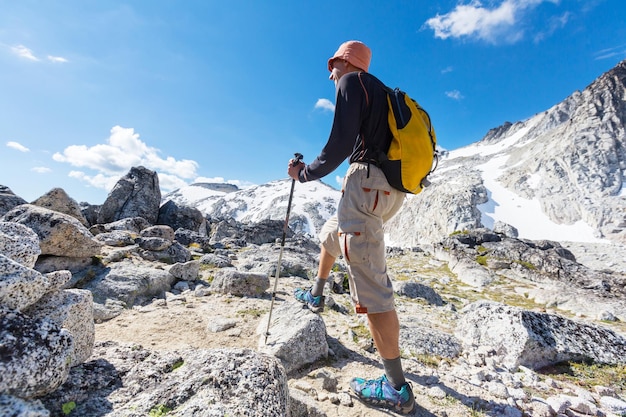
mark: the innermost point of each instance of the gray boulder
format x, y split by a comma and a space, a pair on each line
124, 284
116, 238
162, 231
130, 224
297, 336
247, 284
20, 287
137, 194
190, 239
59, 234
58, 200
535, 340
187, 271
19, 243
40, 355
71, 310
157, 249
8, 200
417, 290
182, 217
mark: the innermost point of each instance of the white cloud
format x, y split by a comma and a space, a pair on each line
17, 146
339, 180
56, 59
106, 182
454, 94
41, 170
24, 52
611, 52
447, 70
500, 23
123, 151
324, 104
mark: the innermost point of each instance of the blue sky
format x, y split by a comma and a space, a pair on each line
228, 91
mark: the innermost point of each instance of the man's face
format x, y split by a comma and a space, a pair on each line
340, 68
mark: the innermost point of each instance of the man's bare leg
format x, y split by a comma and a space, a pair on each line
323, 272
385, 329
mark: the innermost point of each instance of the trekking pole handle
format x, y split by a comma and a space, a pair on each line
297, 158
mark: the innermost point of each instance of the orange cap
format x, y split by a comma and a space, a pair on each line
355, 52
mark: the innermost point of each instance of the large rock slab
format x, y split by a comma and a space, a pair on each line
135, 382
59, 234
535, 340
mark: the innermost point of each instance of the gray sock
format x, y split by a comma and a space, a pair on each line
393, 370
318, 287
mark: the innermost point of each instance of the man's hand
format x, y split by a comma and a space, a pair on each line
294, 170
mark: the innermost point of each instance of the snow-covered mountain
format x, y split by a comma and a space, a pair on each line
312, 202
558, 175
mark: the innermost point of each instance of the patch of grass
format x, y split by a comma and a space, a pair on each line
432, 361
446, 401
254, 312
159, 411
361, 331
589, 374
482, 260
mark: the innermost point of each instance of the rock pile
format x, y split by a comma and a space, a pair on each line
59, 276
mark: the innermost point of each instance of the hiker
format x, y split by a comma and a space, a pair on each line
356, 231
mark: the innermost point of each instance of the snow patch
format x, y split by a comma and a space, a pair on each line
526, 215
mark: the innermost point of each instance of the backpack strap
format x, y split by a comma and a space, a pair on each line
367, 97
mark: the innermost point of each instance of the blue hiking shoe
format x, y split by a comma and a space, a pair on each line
315, 304
380, 393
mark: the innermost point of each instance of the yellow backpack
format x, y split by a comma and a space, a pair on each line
412, 155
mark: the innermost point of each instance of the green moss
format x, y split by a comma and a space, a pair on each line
460, 232
526, 265
482, 260
68, 407
178, 364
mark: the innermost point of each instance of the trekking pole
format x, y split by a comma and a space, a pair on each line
297, 159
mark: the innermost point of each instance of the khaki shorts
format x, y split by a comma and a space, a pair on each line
356, 233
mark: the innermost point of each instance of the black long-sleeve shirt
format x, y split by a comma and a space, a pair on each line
360, 126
